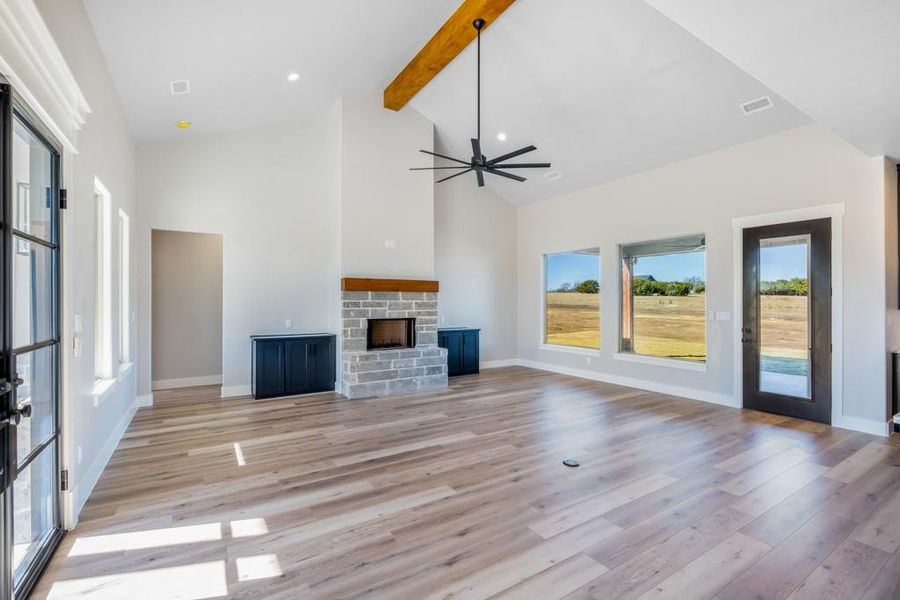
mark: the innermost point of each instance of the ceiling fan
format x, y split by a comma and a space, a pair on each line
479, 163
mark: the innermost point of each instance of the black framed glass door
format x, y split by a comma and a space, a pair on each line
29, 443
786, 330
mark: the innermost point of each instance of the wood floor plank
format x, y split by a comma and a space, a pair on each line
461, 493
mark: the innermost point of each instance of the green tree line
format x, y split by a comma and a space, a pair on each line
796, 286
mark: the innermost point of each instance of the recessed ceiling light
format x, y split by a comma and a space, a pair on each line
292, 77
501, 136
184, 124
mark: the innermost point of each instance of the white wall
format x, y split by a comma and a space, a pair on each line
804, 167
475, 262
92, 424
187, 308
273, 196
381, 199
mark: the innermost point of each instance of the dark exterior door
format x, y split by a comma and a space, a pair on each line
786, 332
30, 527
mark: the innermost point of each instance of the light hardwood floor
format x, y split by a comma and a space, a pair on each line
462, 494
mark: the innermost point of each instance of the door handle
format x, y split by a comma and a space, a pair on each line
5, 387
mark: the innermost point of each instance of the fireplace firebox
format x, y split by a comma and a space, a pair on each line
386, 334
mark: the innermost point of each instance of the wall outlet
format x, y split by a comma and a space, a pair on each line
288, 323
390, 244
76, 346
79, 323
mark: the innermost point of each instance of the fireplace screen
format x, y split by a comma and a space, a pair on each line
391, 333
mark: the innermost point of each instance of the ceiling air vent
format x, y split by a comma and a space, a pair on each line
552, 175
182, 86
755, 106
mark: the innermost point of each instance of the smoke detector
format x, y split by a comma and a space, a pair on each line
552, 175
182, 86
758, 105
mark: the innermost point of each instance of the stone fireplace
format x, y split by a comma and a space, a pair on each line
389, 337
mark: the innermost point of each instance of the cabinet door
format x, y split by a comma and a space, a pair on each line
454, 354
296, 374
269, 368
320, 364
469, 352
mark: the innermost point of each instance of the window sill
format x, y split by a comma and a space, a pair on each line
570, 350
102, 389
124, 370
673, 363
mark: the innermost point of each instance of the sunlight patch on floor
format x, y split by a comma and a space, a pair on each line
248, 528
189, 582
239, 455
262, 566
151, 538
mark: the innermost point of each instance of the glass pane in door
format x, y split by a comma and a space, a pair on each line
784, 343
34, 514
37, 370
32, 203
33, 309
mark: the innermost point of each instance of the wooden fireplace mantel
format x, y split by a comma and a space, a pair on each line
365, 284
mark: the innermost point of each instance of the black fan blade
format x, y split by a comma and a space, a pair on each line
476, 150
435, 168
454, 175
507, 175
462, 162
480, 175
524, 166
513, 154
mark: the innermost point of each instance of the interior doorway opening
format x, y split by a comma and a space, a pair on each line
186, 298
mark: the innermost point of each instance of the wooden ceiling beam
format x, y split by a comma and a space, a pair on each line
443, 47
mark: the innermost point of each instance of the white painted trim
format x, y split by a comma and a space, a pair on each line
496, 364
234, 391
863, 425
641, 384
659, 361
168, 384
835, 212
82, 489
145, 401
34, 65
125, 370
102, 389
570, 349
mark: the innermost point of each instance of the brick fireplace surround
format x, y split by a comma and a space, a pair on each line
382, 372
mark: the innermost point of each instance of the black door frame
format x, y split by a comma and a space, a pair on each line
12, 109
819, 406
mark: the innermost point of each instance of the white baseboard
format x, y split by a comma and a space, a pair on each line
496, 364
82, 489
869, 426
641, 384
145, 400
233, 391
168, 384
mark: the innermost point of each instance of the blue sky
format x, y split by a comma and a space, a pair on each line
780, 262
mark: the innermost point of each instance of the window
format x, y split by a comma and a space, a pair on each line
124, 288
572, 299
664, 298
103, 283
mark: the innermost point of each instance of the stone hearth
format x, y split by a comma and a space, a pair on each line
382, 372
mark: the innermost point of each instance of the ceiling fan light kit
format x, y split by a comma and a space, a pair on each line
479, 163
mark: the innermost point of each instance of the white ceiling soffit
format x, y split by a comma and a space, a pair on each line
603, 88
237, 55
837, 60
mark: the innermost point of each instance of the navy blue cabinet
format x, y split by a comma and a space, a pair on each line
285, 365
462, 349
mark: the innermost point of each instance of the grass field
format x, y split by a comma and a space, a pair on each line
675, 326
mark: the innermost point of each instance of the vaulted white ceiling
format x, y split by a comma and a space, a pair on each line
238, 53
604, 88
837, 60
